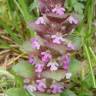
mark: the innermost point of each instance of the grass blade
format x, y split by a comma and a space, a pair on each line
90, 65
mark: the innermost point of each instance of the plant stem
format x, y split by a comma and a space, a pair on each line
92, 53
90, 65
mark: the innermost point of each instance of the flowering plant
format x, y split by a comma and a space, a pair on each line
51, 47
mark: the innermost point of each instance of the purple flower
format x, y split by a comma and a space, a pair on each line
57, 39
71, 46
58, 10
52, 29
72, 20
66, 61
39, 68
31, 60
46, 56
40, 85
35, 43
46, 6
56, 88
40, 20
53, 65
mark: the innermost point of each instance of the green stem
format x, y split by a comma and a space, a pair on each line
18, 6
90, 65
92, 53
22, 6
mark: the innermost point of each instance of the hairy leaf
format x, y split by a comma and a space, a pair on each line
68, 93
55, 75
23, 69
16, 92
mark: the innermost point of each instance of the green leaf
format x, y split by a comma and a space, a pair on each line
68, 93
78, 7
16, 92
26, 47
74, 66
55, 75
86, 82
45, 94
83, 93
76, 40
80, 16
34, 5
19, 81
23, 69
73, 2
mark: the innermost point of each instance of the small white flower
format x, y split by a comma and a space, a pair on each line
53, 66
30, 88
68, 75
